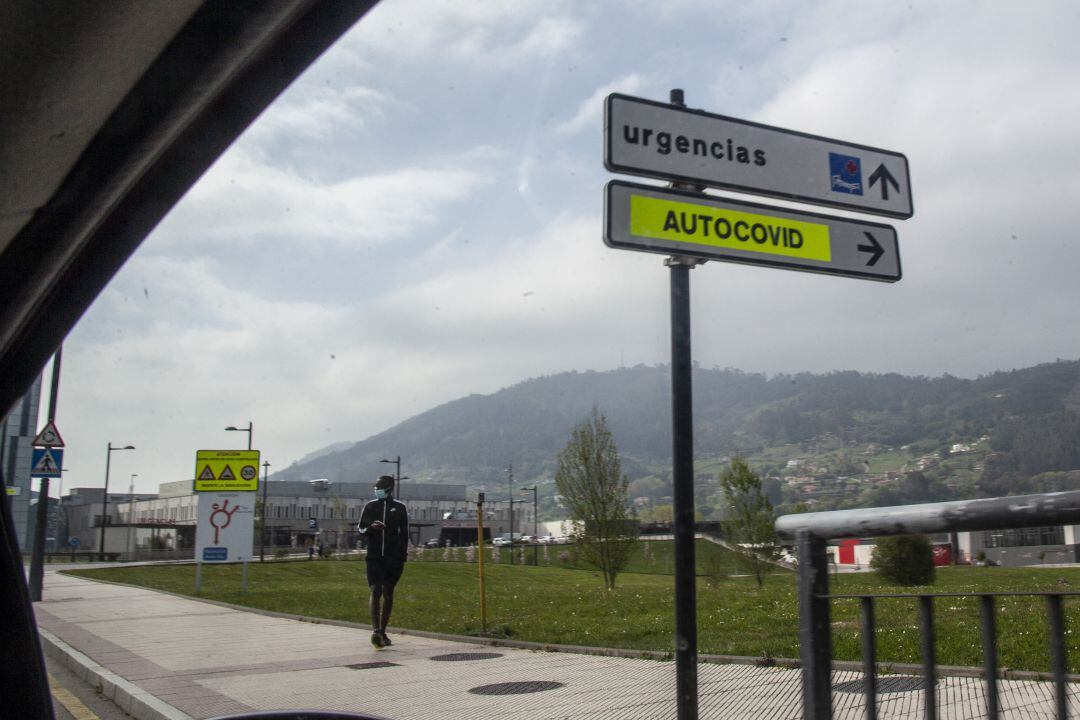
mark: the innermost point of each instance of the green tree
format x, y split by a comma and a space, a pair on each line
904, 559
594, 491
748, 523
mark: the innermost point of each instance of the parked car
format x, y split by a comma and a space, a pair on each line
432, 543
501, 542
546, 539
527, 540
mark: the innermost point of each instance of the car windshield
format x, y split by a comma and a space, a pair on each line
447, 256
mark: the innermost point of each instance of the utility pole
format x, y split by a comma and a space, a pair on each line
262, 530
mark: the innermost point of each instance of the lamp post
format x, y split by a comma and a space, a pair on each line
535, 535
510, 487
262, 530
131, 510
105, 497
396, 462
249, 430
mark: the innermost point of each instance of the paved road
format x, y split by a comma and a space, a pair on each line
163, 656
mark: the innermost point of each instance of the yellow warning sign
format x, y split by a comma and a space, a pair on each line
214, 471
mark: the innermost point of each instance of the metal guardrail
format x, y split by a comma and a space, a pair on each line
811, 530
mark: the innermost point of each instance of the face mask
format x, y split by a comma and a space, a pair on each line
380, 494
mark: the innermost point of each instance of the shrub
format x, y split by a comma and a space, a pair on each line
904, 559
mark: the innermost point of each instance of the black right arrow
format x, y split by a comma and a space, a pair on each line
874, 247
882, 173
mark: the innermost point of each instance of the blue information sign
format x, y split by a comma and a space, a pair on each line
46, 462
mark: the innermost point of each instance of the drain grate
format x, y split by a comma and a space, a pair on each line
887, 684
516, 688
458, 657
371, 665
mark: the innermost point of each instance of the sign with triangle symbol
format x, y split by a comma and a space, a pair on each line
46, 462
49, 436
207, 474
227, 474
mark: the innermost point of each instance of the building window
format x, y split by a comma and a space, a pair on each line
1024, 537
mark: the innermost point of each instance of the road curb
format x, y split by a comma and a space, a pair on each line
125, 694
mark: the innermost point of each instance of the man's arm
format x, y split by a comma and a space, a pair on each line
365, 519
404, 533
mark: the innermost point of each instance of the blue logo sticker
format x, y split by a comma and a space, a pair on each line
211, 554
845, 174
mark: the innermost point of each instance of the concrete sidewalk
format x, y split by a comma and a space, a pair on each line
161, 656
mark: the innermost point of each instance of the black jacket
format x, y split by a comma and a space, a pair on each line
393, 542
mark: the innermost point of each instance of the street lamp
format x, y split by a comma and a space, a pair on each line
535, 534
248, 430
262, 530
533, 489
105, 497
396, 462
510, 488
131, 510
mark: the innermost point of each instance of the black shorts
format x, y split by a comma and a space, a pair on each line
384, 570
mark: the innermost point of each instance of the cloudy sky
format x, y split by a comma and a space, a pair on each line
419, 218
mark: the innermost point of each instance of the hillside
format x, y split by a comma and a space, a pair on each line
1019, 426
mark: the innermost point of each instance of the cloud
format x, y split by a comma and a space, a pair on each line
591, 109
245, 200
485, 32
315, 113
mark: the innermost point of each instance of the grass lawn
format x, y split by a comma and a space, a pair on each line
560, 605
654, 557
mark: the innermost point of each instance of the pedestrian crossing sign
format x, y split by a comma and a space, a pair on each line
46, 462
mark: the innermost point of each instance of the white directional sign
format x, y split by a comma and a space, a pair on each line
642, 137
672, 222
225, 527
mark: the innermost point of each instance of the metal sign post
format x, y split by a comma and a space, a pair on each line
682, 453
47, 462
695, 149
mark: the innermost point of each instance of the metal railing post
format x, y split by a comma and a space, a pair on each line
990, 660
869, 652
815, 641
926, 623
1057, 653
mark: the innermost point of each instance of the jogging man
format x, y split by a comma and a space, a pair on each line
385, 524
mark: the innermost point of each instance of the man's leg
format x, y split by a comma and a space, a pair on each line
387, 606
375, 605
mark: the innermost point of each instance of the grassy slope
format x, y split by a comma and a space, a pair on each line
558, 605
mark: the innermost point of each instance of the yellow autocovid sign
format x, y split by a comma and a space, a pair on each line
226, 470
686, 222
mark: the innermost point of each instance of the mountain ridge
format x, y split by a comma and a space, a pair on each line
473, 439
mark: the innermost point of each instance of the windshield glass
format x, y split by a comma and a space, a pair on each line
407, 268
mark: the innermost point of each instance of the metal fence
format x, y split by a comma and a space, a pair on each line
810, 531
